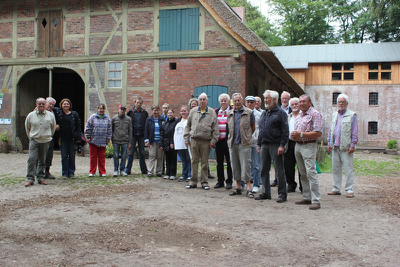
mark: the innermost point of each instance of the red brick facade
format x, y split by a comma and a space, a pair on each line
106, 38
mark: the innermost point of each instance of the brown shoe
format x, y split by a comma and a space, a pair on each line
43, 182
350, 195
315, 206
28, 183
303, 202
334, 193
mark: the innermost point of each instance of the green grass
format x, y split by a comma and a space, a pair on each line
367, 167
8, 180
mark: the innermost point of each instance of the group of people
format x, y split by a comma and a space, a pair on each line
245, 137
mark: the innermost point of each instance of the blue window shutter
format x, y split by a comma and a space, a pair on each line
213, 92
170, 30
179, 29
190, 29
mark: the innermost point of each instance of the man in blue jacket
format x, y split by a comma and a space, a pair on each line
273, 136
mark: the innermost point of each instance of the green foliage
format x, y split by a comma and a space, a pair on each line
258, 23
326, 166
4, 136
392, 144
109, 150
304, 21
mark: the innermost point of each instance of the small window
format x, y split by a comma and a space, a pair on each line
334, 97
336, 76
372, 127
115, 74
373, 76
172, 66
348, 76
386, 65
348, 66
386, 75
336, 66
373, 66
373, 99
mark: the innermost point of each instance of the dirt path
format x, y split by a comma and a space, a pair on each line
150, 222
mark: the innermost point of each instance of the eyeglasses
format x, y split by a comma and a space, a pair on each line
41, 104
303, 101
341, 102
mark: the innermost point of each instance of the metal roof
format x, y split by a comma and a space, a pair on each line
298, 57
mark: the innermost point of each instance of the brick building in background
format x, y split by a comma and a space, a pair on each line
368, 73
112, 51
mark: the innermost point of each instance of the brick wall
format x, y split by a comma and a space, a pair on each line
177, 86
384, 113
140, 73
25, 49
164, 3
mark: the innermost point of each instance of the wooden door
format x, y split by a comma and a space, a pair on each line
50, 34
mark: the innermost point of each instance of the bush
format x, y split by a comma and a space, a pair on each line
109, 150
4, 136
392, 144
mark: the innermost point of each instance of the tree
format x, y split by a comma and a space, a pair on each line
258, 23
304, 21
386, 23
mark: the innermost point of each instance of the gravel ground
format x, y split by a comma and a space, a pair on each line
148, 222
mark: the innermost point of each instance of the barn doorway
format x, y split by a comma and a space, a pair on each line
65, 83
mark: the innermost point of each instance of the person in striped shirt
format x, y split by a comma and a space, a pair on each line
221, 147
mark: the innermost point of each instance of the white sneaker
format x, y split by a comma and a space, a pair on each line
255, 189
103, 175
91, 174
124, 173
166, 177
172, 177
188, 179
115, 173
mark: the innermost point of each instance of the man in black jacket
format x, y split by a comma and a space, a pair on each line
138, 116
273, 136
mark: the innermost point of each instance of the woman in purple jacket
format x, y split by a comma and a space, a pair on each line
98, 134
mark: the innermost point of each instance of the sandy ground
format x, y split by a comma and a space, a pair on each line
148, 222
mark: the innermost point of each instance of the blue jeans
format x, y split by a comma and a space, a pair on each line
120, 149
255, 167
67, 157
139, 139
186, 165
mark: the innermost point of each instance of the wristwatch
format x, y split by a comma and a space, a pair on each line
301, 135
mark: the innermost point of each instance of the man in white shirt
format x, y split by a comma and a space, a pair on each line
40, 126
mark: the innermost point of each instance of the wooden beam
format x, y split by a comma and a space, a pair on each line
225, 26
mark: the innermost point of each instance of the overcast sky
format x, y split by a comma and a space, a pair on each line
265, 9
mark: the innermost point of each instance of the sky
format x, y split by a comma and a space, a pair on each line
264, 8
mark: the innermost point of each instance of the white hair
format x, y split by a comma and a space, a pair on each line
223, 95
239, 94
272, 94
285, 92
203, 94
344, 96
50, 99
293, 99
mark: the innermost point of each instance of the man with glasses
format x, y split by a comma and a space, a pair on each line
307, 129
40, 126
342, 140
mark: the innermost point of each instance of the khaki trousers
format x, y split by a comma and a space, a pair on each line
200, 150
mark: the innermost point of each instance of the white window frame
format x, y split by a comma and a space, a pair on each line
114, 74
